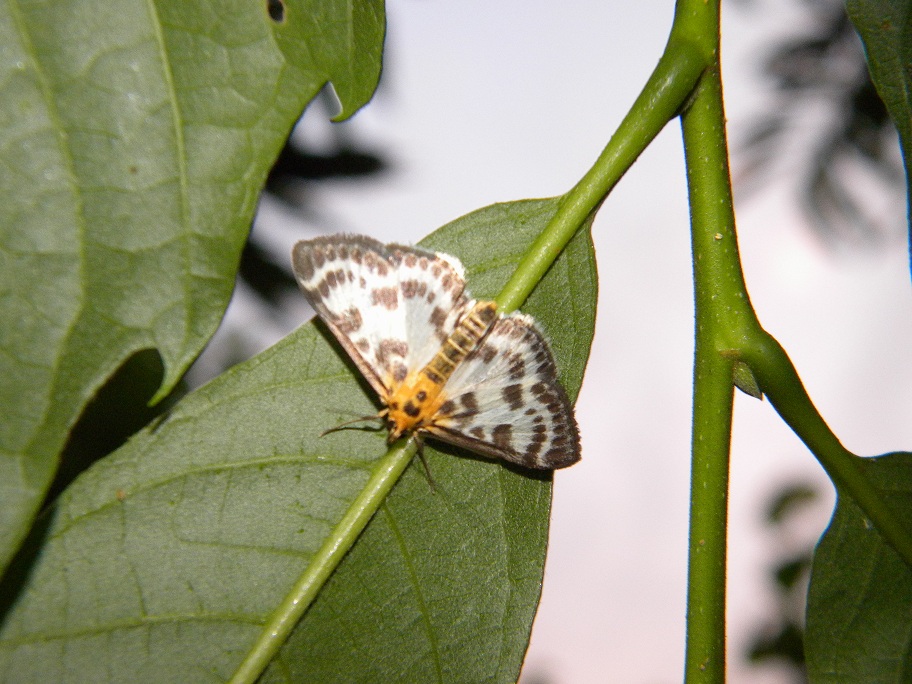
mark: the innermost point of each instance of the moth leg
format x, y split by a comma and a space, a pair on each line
427, 470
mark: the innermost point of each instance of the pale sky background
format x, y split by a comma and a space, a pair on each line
489, 102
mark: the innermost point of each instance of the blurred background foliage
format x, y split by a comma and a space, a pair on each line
779, 641
825, 130
822, 129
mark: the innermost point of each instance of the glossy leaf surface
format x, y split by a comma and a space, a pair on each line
135, 138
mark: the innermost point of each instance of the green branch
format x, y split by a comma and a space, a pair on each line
662, 97
717, 283
778, 379
721, 308
728, 332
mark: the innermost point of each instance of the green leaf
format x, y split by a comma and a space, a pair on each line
860, 597
885, 27
162, 561
134, 140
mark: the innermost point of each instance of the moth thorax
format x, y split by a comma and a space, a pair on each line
418, 399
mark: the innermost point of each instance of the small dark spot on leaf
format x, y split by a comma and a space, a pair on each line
276, 9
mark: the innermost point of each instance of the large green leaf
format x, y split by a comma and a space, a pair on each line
859, 614
135, 137
162, 561
885, 27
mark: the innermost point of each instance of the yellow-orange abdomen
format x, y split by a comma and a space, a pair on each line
415, 402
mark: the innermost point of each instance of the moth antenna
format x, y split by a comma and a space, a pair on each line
348, 423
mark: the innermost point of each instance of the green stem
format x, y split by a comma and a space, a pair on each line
727, 331
721, 310
778, 379
661, 98
711, 435
714, 245
337, 544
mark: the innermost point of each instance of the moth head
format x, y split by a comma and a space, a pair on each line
412, 406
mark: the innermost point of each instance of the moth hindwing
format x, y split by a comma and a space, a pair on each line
442, 364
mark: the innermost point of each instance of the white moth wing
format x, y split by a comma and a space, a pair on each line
504, 400
432, 287
387, 305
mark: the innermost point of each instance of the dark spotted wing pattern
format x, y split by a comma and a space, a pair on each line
504, 400
390, 307
401, 312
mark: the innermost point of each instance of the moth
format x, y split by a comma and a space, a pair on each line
442, 364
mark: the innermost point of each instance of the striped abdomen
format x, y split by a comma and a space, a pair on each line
461, 342
413, 404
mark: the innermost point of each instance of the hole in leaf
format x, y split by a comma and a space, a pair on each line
276, 9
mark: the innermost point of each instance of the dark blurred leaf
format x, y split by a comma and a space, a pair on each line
265, 277
788, 501
780, 638
789, 572
885, 27
295, 164
785, 644
824, 71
